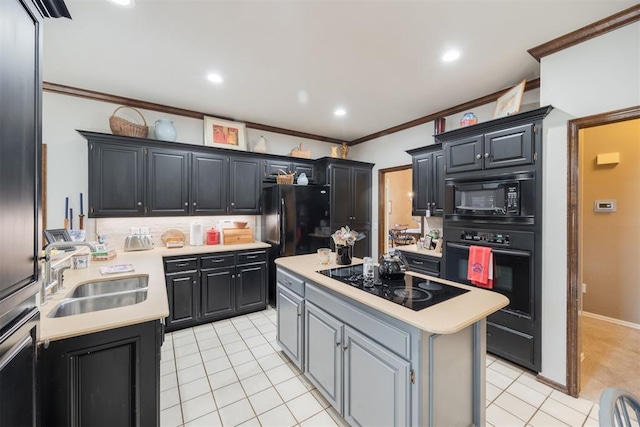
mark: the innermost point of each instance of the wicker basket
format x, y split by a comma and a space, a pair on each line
120, 126
284, 178
300, 153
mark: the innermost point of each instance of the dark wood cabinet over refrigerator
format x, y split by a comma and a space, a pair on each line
350, 184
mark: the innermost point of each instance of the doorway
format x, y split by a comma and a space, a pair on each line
578, 334
395, 196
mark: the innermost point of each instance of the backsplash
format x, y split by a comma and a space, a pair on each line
117, 229
432, 223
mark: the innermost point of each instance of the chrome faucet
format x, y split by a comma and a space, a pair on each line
47, 282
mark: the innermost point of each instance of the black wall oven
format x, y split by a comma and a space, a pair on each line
514, 331
505, 198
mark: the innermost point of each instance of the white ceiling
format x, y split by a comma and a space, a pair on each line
289, 64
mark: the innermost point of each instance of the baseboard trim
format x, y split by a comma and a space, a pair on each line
552, 384
611, 320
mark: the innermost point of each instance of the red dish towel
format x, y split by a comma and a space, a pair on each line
480, 267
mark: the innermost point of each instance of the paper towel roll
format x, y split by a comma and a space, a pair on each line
196, 237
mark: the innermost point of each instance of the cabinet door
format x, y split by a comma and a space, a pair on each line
422, 183
323, 354
437, 189
116, 180
217, 293
362, 248
464, 155
273, 167
390, 405
361, 196
305, 168
167, 182
209, 174
509, 147
290, 322
244, 186
251, 287
341, 203
182, 291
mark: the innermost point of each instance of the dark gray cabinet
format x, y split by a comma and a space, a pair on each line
428, 180
498, 149
422, 263
214, 286
116, 180
244, 186
272, 168
350, 186
109, 378
208, 193
167, 182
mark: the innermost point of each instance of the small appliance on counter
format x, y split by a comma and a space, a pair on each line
138, 240
392, 266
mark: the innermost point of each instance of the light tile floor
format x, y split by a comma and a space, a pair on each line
232, 372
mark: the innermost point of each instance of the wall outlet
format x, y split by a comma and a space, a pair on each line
584, 288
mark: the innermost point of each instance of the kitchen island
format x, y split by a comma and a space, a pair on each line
378, 362
102, 367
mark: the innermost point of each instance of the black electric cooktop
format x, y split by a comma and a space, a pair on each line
412, 292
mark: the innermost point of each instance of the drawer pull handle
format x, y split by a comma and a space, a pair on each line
252, 256
287, 282
418, 262
217, 260
182, 264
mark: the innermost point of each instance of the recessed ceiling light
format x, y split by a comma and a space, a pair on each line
340, 112
451, 55
215, 78
123, 3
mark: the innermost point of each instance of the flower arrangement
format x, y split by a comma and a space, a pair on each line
345, 236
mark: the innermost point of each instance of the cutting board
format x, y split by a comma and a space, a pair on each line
233, 236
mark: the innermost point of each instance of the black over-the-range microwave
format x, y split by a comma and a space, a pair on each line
505, 198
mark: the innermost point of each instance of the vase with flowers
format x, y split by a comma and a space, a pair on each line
344, 239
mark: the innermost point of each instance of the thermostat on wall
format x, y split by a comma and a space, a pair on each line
605, 206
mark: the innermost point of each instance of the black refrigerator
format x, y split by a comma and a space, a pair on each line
295, 221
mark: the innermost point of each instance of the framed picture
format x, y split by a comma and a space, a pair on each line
224, 134
58, 235
509, 103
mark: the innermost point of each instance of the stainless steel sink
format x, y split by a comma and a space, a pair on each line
110, 286
72, 306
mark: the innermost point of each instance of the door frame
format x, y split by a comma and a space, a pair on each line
382, 203
573, 234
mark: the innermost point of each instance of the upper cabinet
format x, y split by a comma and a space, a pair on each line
274, 167
428, 180
138, 177
513, 141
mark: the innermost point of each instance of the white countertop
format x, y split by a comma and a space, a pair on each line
155, 307
444, 318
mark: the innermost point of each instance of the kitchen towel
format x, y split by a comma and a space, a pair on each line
480, 266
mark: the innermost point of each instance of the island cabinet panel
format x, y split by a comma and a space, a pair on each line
389, 404
105, 378
209, 173
167, 182
290, 324
214, 286
324, 353
116, 180
428, 180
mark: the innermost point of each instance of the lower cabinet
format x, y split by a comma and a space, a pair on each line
290, 323
214, 286
347, 366
109, 378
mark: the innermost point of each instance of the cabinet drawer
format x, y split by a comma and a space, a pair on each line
175, 265
513, 345
249, 257
422, 264
290, 281
217, 260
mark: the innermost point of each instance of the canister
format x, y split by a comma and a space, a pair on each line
213, 237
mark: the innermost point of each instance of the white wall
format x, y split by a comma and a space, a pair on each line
600, 75
67, 158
